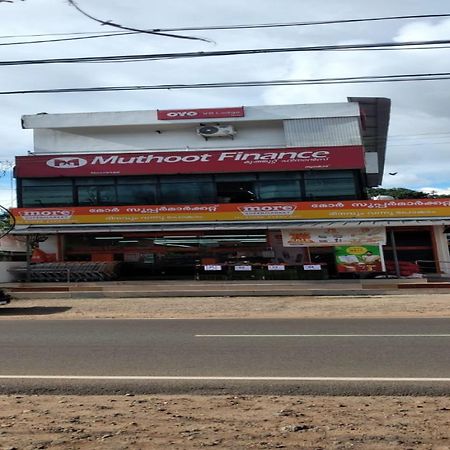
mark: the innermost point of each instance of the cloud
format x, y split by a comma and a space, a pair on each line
438, 191
419, 138
422, 30
418, 147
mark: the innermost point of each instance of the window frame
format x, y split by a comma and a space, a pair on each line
258, 179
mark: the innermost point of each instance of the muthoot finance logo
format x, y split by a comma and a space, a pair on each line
267, 210
68, 162
43, 214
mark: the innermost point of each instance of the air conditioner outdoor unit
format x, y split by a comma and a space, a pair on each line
216, 131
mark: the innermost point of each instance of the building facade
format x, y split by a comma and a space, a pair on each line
258, 191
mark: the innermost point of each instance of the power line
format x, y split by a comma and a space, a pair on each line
162, 56
110, 23
317, 81
224, 27
417, 137
398, 49
419, 144
42, 41
393, 138
10, 36
77, 38
310, 23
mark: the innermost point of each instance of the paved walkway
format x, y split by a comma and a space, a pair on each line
191, 288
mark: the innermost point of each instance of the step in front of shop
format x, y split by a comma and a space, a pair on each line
117, 290
193, 293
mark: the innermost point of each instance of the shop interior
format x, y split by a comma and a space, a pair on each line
186, 254
235, 254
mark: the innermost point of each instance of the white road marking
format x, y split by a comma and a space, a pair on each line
218, 378
318, 335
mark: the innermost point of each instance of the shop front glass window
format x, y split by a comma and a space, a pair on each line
330, 185
236, 192
279, 190
187, 192
236, 187
35, 196
135, 194
97, 195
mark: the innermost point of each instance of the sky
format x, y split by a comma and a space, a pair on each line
418, 148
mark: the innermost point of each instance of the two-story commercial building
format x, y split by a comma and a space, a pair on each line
240, 191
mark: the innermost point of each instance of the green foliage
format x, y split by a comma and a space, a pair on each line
6, 221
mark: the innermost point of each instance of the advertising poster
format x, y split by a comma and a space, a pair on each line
333, 236
358, 259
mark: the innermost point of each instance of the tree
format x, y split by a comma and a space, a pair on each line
7, 221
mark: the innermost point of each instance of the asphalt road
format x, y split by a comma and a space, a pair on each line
362, 356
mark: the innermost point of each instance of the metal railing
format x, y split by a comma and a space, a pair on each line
68, 272
430, 266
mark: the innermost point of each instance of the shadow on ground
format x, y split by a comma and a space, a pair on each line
33, 310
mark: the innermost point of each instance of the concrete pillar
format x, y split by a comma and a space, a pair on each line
442, 251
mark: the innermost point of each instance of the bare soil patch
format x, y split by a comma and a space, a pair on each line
226, 422
409, 305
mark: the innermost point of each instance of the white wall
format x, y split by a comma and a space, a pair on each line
141, 138
11, 245
5, 275
50, 245
261, 126
147, 118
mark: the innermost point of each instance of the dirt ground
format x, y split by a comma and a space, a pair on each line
419, 305
226, 422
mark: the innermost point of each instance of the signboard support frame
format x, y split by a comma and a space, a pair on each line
383, 261
394, 253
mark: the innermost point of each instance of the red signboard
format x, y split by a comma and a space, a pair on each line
206, 113
222, 161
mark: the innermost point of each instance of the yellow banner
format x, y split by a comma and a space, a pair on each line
333, 210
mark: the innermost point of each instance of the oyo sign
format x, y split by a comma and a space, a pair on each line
205, 113
180, 162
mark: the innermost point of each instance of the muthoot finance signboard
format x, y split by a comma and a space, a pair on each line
357, 209
149, 163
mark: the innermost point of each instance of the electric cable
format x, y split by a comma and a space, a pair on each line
317, 81
183, 55
110, 23
77, 38
228, 27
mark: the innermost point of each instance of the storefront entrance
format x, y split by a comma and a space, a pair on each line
235, 254
325, 256
170, 255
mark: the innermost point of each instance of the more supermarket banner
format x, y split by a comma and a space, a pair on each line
244, 212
